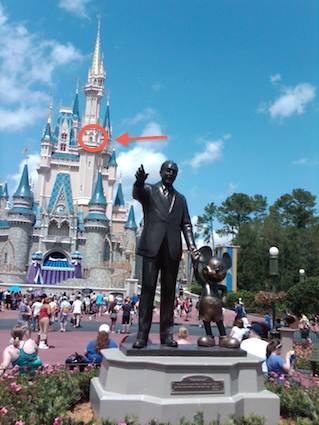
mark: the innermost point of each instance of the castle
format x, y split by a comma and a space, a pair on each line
72, 226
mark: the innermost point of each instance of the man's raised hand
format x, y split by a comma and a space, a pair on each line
140, 175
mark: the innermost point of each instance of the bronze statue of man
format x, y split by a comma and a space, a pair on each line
165, 216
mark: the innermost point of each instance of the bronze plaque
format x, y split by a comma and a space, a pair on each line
197, 384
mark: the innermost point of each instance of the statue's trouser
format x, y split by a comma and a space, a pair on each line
208, 328
169, 269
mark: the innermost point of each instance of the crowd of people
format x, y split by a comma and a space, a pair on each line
37, 313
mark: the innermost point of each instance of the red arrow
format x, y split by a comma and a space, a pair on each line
124, 138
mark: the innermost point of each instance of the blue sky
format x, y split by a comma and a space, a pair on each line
234, 84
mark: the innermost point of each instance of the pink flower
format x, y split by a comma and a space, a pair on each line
20, 423
15, 387
122, 423
57, 421
3, 410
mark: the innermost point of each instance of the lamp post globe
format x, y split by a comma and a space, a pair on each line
273, 251
302, 275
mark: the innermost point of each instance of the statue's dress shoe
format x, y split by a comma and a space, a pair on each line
169, 342
140, 343
206, 341
228, 342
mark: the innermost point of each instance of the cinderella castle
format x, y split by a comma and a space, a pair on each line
74, 227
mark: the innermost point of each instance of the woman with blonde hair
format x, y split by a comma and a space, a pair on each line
22, 351
182, 335
44, 322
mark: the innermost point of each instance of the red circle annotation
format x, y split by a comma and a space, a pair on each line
98, 148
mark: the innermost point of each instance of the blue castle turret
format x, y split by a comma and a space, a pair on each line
119, 198
75, 109
131, 224
21, 219
112, 161
24, 190
96, 226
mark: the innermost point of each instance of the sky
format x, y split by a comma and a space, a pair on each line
233, 84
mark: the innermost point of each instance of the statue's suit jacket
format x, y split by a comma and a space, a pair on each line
163, 219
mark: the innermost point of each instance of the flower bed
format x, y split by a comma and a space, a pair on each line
45, 398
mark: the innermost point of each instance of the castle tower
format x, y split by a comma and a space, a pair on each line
112, 168
76, 114
96, 226
45, 156
94, 89
119, 216
94, 92
4, 197
130, 232
21, 219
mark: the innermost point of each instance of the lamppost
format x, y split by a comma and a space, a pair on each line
302, 275
273, 272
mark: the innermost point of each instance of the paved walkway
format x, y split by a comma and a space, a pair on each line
75, 340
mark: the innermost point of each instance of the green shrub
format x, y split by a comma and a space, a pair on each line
248, 298
196, 288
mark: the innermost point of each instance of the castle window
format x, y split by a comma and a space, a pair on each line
5, 260
63, 147
64, 136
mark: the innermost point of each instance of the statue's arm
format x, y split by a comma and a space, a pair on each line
140, 190
187, 228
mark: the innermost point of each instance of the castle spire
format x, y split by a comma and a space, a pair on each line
98, 197
50, 112
23, 190
107, 119
97, 64
5, 193
131, 224
75, 111
119, 199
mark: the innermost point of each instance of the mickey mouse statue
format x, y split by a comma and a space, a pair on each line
209, 271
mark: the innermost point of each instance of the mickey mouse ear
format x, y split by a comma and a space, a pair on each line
227, 260
205, 254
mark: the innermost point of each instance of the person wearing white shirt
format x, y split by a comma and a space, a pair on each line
255, 345
77, 310
238, 330
36, 307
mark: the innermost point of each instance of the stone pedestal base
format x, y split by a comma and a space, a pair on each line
171, 387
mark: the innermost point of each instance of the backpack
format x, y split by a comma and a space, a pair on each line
76, 360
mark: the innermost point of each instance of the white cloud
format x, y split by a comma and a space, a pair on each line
27, 65
129, 162
293, 100
306, 161
157, 86
76, 7
33, 163
274, 79
212, 152
145, 115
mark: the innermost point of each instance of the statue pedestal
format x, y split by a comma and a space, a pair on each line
169, 387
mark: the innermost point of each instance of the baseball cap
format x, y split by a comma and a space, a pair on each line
104, 328
257, 329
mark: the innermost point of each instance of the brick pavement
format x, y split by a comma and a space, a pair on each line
64, 344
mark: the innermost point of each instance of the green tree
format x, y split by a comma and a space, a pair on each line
303, 297
260, 206
235, 211
205, 224
296, 209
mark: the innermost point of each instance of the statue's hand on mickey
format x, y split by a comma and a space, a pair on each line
209, 271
